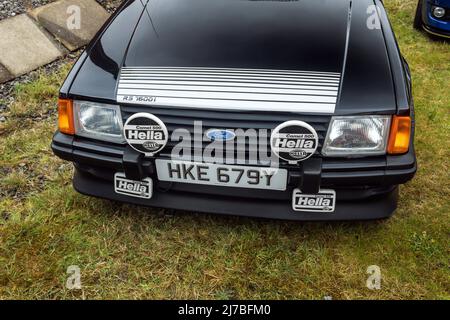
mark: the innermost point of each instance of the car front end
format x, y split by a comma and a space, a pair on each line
287, 110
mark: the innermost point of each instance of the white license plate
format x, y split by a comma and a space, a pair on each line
324, 201
132, 188
222, 175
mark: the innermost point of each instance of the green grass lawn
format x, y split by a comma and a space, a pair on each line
126, 251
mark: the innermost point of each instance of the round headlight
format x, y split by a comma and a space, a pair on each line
439, 12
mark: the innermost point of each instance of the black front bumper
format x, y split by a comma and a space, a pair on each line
436, 31
366, 188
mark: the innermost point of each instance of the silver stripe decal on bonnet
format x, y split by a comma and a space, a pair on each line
230, 89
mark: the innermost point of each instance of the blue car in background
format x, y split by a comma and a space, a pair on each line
433, 16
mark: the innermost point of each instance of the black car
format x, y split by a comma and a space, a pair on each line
297, 110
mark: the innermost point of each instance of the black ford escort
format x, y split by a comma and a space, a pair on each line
297, 110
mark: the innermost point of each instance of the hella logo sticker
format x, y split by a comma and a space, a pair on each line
324, 201
140, 189
151, 145
294, 141
298, 154
145, 133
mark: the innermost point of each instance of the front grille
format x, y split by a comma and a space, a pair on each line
183, 118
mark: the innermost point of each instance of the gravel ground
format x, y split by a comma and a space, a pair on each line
109, 5
7, 96
11, 8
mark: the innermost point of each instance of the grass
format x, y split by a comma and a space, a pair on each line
126, 251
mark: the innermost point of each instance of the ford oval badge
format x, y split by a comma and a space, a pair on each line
220, 135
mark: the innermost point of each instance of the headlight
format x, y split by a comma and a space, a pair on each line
438, 12
355, 136
98, 121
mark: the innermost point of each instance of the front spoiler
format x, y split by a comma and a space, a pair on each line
377, 207
436, 32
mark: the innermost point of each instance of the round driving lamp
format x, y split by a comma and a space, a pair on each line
438, 12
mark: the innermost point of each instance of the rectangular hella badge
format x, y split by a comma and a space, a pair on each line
322, 202
132, 188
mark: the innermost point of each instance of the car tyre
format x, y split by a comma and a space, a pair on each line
418, 18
